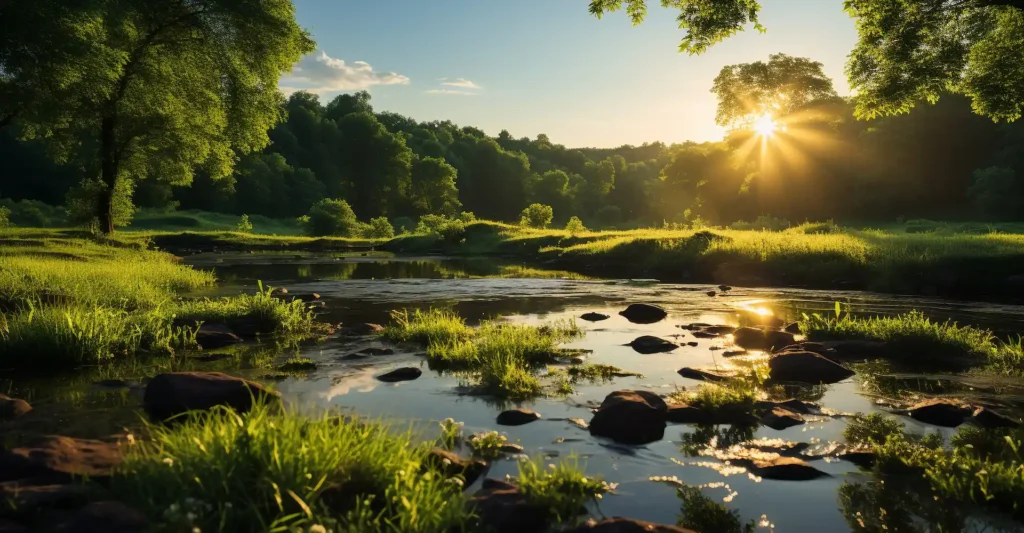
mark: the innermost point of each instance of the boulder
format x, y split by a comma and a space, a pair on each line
987, 418
720, 330
214, 336
594, 317
939, 412
712, 293
761, 339
779, 419
693, 343
174, 393
630, 417
104, 517
11, 408
780, 468
517, 417
685, 414
376, 351
793, 328
702, 375
724, 288
861, 458
406, 373
60, 459
648, 344
507, 510
805, 367
618, 524
644, 313
792, 405
451, 465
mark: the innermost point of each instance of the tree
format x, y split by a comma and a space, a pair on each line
346, 104
433, 187
996, 193
177, 85
777, 88
375, 165
537, 216
907, 50
331, 217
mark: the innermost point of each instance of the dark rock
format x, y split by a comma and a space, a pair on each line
214, 336
720, 330
363, 329
494, 483
644, 313
11, 408
594, 317
406, 373
792, 405
815, 347
688, 414
648, 344
712, 293
761, 339
627, 525
104, 517
60, 459
988, 418
939, 412
685, 414
504, 510
779, 419
780, 468
376, 351
451, 465
174, 393
695, 326
630, 417
855, 350
110, 384
27, 499
702, 375
793, 328
693, 343
734, 353
517, 417
355, 356
805, 367
511, 448
297, 366
704, 335
861, 458
724, 288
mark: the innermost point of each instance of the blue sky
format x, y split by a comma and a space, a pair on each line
548, 66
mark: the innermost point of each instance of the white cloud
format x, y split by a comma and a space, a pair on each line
462, 83
321, 73
452, 92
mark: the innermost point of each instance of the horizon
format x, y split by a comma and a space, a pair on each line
526, 71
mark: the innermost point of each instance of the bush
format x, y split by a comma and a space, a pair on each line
763, 222
404, 225
575, 225
84, 199
330, 217
380, 228
467, 217
5, 217
451, 230
537, 216
244, 225
608, 215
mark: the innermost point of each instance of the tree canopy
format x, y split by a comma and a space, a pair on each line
907, 50
779, 87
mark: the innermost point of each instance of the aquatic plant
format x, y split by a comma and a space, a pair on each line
487, 445
262, 310
701, 513
430, 327
561, 489
735, 396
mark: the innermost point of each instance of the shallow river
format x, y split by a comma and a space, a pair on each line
366, 289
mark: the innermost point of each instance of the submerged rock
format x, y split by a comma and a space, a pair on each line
712, 293
780, 468
939, 412
60, 460
618, 524
214, 336
687, 414
11, 408
594, 317
761, 339
793, 405
376, 351
720, 330
702, 375
517, 417
805, 367
700, 334
174, 393
724, 288
297, 366
648, 344
644, 313
779, 419
450, 465
693, 343
630, 417
406, 373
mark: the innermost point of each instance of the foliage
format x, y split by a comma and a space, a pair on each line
997, 193
430, 327
5, 217
487, 445
258, 471
244, 225
451, 433
380, 228
777, 88
449, 229
537, 216
262, 310
762, 223
331, 217
871, 430
735, 397
84, 201
701, 513
560, 489
575, 226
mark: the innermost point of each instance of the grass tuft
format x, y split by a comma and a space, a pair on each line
561, 489
431, 327
262, 311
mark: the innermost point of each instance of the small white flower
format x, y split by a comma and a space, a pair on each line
168, 461
446, 462
317, 528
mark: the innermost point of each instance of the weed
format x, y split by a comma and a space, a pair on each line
451, 433
262, 311
561, 489
487, 445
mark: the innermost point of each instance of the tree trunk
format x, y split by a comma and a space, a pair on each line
108, 174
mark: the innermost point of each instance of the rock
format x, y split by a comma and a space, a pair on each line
365, 328
987, 418
720, 330
60, 459
506, 510
854, 350
712, 293
939, 412
104, 517
861, 458
594, 317
214, 336
451, 465
355, 356
792, 405
702, 375
376, 351
517, 417
704, 335
793, 328
630, 417
494, 483
648, 344
780, 468
511, 448
761, 339
805, 367
695, 326
11, 408
693, 343
734, 353
815, 347
685, 414
688, 414
644, 313
779, 419
724, 288
626, 525
27, 499
406, 373
298, 365
174, 393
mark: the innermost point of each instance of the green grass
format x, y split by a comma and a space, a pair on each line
485, 445
261, 310
277, 471
431, 327
561, 489
194, 220
736, 396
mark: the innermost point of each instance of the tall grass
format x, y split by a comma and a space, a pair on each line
261, 310
431, 327
560, 489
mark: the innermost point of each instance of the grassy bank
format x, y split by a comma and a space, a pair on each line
71, 300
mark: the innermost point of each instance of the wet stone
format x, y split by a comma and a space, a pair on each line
507, 510
365, 328
648, 344
407, 373
594, 317
174, 393
644, 313
630, 417
12, 408
779, 419
702, 375
780, 468
60, 459
761, 339
939, 412
793, 328
805, 367
987, 418
734, 353
517, 417
450, 465
214, 336
700, 334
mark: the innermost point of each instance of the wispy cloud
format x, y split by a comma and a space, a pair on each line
452, 92
462, 83
321, 73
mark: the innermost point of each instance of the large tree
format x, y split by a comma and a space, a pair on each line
779, 87
908, 50
175, 85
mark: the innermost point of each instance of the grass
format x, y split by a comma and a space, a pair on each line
194, 220
913, 337
734, 396
261, 310
701, 513
276, 471
485, 445
501, 359
561, 489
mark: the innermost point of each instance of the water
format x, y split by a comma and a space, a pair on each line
367, 289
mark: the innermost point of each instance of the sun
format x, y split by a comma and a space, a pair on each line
765, 125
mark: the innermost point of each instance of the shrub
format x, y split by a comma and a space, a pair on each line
762, 223
467, 217
244, 225
404, 225
380, 228
537, 216
451, 230
83, 203
575, 226
331, 217
5, 217
608, 215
